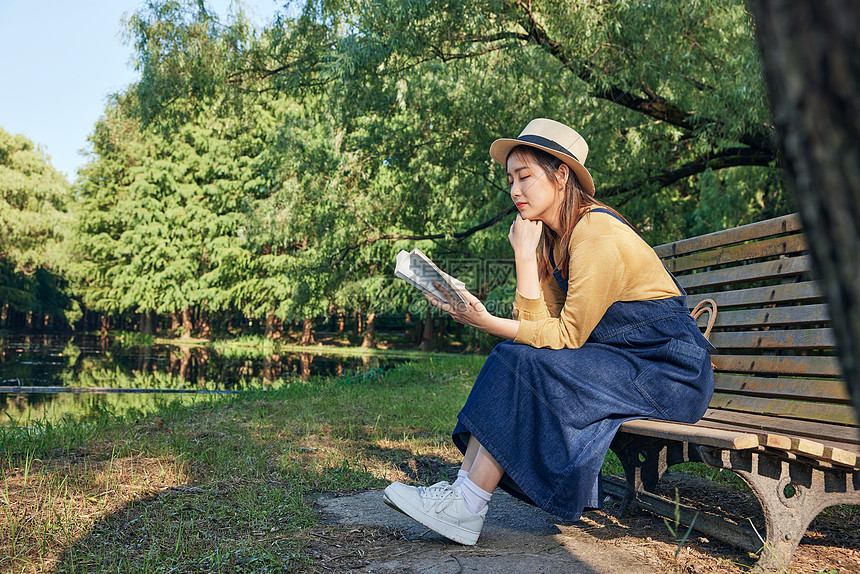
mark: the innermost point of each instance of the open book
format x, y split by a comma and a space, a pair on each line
416, 269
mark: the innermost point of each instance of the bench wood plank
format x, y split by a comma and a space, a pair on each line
700, 435
805, 292
786, 339
796, 315
840, 436
812, 411
780, 268
822, 366
831, 390
785, 224
760, 249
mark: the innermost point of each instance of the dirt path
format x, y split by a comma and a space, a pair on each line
360, 534
516, 538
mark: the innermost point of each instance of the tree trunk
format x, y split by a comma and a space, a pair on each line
204, 324
427, 336
810, 53
358, 325
175, 323
270, 323
147, 318
307, 332
369, 341
340, 321
187, 324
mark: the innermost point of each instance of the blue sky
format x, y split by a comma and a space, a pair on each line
59, 61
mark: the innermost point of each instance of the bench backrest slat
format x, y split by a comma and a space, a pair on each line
775, 387
827, 366
778, 225
789, 407
777, 316
779, 269
746, 251
805, 292
793, 340
775, 361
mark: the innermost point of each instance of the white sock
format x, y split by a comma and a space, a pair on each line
475, 497
461, 476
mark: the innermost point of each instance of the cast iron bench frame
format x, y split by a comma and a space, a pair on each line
781, 418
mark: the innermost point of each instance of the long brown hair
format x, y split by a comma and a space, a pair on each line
573, 206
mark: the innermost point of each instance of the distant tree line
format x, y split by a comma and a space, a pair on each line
262, 178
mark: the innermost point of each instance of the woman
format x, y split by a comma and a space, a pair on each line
603, 337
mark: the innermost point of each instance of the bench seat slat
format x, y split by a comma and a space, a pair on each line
812, 411
842, 436
831, 451
765, 248
778, 225
701, 435
805, 292
774, 317
779, 268
768, 365
830, 390
809, 449
785, 339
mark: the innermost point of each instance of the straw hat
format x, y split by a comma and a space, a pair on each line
554, 138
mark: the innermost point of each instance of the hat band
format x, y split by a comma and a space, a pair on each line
542, 141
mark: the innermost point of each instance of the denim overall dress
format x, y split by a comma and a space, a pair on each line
548, 415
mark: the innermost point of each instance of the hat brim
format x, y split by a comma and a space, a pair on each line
501, 148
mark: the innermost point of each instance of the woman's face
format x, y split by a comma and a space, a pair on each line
535, 194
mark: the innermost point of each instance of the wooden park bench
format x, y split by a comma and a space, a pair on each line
781, 417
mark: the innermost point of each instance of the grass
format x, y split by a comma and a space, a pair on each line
225, 484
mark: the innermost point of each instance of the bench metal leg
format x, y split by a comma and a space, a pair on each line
645, 460
791, 493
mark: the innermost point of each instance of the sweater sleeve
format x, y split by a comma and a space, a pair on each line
597, 280
549, 303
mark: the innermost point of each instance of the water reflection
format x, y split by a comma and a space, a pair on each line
97, 362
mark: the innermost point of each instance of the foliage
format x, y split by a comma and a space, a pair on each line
273, 174
33, 224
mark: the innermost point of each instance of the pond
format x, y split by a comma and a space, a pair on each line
48, 377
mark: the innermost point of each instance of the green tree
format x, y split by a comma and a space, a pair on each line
33, 219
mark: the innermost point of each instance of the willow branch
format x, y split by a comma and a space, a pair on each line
732, 157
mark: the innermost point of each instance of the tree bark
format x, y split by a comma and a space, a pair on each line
204, 324
270, 323
427, 335
147, 318
369, 341
187, 323
811, 57
307, 332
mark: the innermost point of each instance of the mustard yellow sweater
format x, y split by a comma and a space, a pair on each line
609, 262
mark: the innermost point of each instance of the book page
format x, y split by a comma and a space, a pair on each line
419, 271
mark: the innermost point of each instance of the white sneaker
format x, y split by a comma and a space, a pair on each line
387, 500
439, 507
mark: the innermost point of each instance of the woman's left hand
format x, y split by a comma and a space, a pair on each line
474, 313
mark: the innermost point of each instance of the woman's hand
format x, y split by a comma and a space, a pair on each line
525, 235
472, 313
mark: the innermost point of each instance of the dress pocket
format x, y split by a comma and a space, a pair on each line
687, 354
